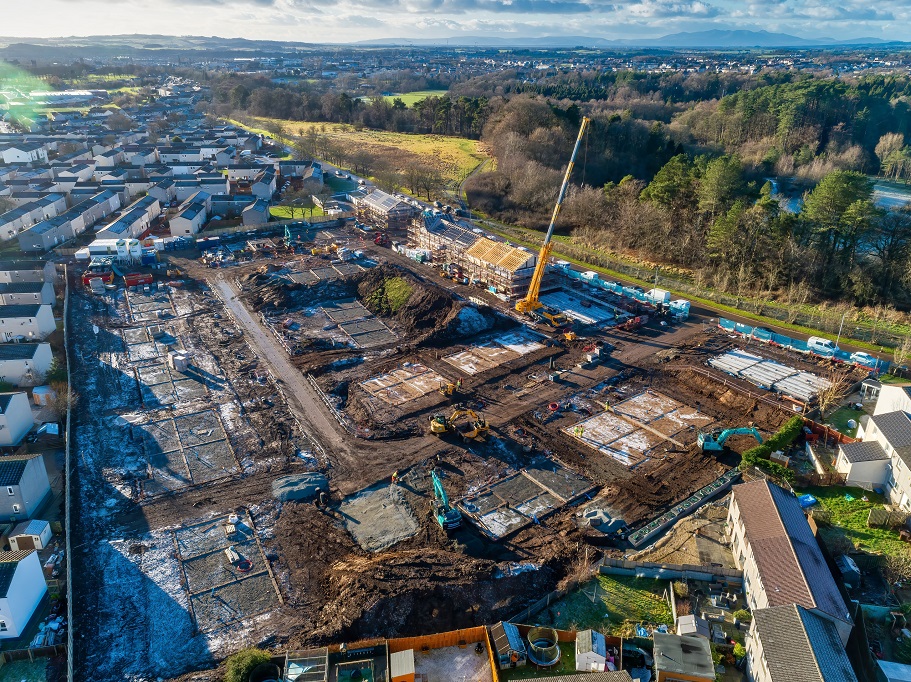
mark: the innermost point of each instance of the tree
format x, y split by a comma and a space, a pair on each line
239, 666
889, 143
672, 184
839, 212
6, 205
720, 183
119, 121
836, 387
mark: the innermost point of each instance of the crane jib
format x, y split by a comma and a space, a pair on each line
531, 303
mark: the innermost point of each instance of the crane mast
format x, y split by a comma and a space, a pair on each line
531, 301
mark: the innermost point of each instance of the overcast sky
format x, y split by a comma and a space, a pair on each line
351, 20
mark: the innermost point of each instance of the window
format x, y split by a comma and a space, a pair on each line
15, 509
2, 626
9, 490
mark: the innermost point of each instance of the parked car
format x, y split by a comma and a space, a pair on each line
861, 358
817, 344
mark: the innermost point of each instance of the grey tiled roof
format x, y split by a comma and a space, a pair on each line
799, 645
895, 427
863, 451
18, 351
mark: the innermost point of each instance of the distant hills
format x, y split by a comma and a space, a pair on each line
166, 47
715, 38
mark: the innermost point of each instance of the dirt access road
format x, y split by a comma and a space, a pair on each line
354, 463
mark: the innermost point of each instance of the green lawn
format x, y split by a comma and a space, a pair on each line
284, 212
409, 98
620, 603
840, 418
566, 666
849, 519
889, 379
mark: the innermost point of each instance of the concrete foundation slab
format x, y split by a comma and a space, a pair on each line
401, 385
378, 517
647, 406
521, 342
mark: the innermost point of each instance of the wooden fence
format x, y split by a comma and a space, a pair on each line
440, 640
36, 652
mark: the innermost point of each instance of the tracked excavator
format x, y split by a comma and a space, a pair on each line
440, 424
714, 441
446, 515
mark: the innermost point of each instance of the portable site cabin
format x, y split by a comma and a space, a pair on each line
401, 666
591, 651
509, 645
33, 534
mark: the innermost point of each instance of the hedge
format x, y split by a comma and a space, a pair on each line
759, 455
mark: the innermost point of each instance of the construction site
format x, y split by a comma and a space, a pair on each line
328, 440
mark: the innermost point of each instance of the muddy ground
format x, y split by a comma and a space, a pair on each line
333, 589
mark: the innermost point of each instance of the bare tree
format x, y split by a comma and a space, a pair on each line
896, 567
63, 399
830, 395
902, 352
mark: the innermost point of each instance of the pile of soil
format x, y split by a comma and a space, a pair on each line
424, 310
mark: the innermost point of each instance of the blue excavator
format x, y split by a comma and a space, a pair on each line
447, 516
714, 441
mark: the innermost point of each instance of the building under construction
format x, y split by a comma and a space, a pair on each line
468, 253
384, 210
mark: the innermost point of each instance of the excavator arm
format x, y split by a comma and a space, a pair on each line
531, 302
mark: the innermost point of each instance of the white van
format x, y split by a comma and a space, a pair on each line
817, 344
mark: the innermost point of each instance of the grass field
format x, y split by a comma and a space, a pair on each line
409, 98
849, 519
284, 212
619, 603
453, 157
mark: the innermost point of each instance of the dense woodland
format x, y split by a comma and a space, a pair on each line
674, 169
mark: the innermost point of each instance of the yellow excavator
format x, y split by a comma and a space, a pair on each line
440, 424
450, 388
326, 250
531, 305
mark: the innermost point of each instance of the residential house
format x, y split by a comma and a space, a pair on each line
22, 293
49, 233
22, 587
24, 485
792, 643
189, 221
134, 221
16, 418
29, 213
781, 561
109, 158
21, 270
24, 364
682, 658
26, 322
165, 191
264, 185
34, 534
24, 152
892, 398
256, 213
